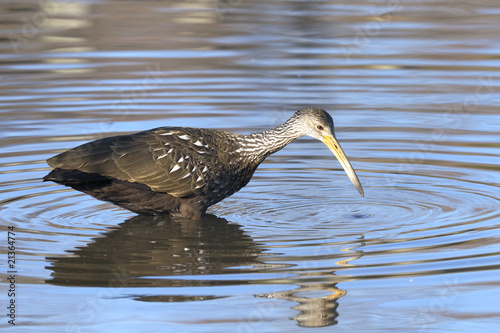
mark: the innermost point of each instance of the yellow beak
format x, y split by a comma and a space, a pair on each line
332, 143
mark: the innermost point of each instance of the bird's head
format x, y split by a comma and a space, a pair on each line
318, 124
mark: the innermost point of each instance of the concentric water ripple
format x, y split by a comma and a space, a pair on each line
409, 224
403, 214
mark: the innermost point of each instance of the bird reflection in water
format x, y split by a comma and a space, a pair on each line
155, 246
150, 251
320, 308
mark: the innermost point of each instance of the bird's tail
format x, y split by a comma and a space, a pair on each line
69, 177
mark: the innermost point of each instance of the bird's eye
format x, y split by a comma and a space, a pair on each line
319, 127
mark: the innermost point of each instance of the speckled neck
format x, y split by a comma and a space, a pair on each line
262, 144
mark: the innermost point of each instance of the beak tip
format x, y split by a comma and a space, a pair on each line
331, 142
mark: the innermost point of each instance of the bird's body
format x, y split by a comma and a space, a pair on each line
176, 170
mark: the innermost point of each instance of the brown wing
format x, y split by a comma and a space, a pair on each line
173, 160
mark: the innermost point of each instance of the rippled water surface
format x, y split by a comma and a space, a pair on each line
414, 90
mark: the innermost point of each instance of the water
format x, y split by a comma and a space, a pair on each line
413, 88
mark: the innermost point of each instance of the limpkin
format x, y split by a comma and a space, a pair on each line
182, 170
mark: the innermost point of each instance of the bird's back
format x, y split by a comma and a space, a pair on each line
182, 162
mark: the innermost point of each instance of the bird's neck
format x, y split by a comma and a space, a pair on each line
262, 144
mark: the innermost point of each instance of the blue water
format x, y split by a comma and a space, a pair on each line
413, 88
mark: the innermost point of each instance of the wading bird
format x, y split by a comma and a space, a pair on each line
182, 170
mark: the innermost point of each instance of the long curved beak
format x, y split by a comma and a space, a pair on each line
332, 143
